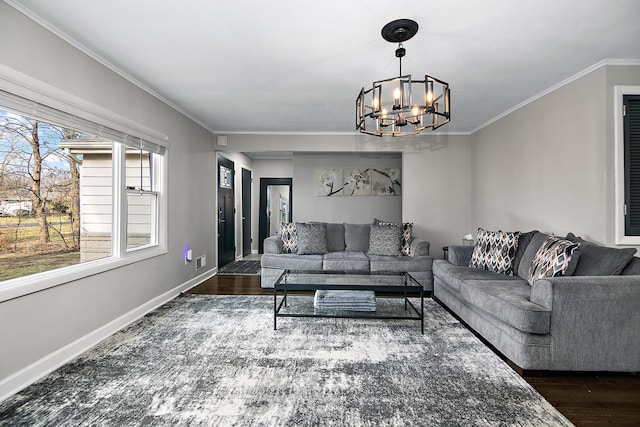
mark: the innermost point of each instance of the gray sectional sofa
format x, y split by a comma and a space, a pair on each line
586, 321
347, 249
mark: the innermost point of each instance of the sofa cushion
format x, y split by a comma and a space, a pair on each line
556, 257
345, 261
407, 230
527, 257
289, 240
403, 263
356, 237
495, 251
633, 268
292, 261
596, 260
523, 244
456, 275
385, 240
509, 302
312, 238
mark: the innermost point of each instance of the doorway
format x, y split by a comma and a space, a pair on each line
226, 212
276, 206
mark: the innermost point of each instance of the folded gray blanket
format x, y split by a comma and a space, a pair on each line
345, 300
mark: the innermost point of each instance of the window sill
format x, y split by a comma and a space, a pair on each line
21, 286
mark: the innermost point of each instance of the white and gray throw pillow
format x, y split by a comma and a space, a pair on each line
556, 257
495, 251
312, 238
407, 230
385, 240
289, 239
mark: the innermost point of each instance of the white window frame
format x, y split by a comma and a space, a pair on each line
620, 237
46, 95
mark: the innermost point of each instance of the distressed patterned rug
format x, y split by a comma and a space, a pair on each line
241, 267
216, 360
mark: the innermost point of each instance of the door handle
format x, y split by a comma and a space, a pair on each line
244, 217
221, 220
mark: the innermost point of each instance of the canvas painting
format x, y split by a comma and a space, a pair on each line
329, 182
386, 182
357, 182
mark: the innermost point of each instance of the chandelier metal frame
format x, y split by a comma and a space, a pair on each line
402, 106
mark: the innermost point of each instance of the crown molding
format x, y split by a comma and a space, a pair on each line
84, 49
557, 86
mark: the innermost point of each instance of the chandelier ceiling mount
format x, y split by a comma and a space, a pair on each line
401, 106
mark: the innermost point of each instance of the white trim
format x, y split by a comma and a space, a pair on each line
406, 137
52, 361
618, 126
73, 42
27, 87
556, 87
18, 287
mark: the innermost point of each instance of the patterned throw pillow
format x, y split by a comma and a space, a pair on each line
385, 240
312, 238
556, 257
495, 251
289, 238
407, 229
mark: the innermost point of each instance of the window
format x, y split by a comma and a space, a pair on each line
627, 164
75, 196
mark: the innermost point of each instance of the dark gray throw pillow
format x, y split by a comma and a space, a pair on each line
385, 240
312, 238
596, 260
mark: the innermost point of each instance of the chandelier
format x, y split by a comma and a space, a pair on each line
401, 106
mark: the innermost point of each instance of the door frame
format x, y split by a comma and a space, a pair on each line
247, 238
262, 207
231, 162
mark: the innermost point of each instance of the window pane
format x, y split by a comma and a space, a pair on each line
55, 196
141, 209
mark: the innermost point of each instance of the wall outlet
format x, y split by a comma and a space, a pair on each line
201, 261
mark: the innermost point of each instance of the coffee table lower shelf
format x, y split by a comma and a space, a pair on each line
304, 289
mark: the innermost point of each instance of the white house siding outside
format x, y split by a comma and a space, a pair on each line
96, 197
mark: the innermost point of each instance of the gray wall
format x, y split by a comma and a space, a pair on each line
436, 177
353, 209
549, 165
47, 321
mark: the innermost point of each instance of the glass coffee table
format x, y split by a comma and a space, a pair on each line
295, 295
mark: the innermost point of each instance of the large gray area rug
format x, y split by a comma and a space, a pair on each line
216, 360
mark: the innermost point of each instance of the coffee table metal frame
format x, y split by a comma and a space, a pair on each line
409, 287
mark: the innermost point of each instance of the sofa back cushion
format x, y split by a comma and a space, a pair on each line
356, 237
335, 237
385, 240
537, 240
596, 260
523, 244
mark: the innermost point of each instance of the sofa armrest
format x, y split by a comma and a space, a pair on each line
273, 244
460, 255
594, 321
419, 247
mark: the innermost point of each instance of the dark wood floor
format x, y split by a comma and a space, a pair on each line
586, 399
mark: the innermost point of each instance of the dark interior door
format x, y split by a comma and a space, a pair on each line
246, 212
226, 221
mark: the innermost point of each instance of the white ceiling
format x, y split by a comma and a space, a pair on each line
289, 66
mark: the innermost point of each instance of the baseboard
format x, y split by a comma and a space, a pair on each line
32, 373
